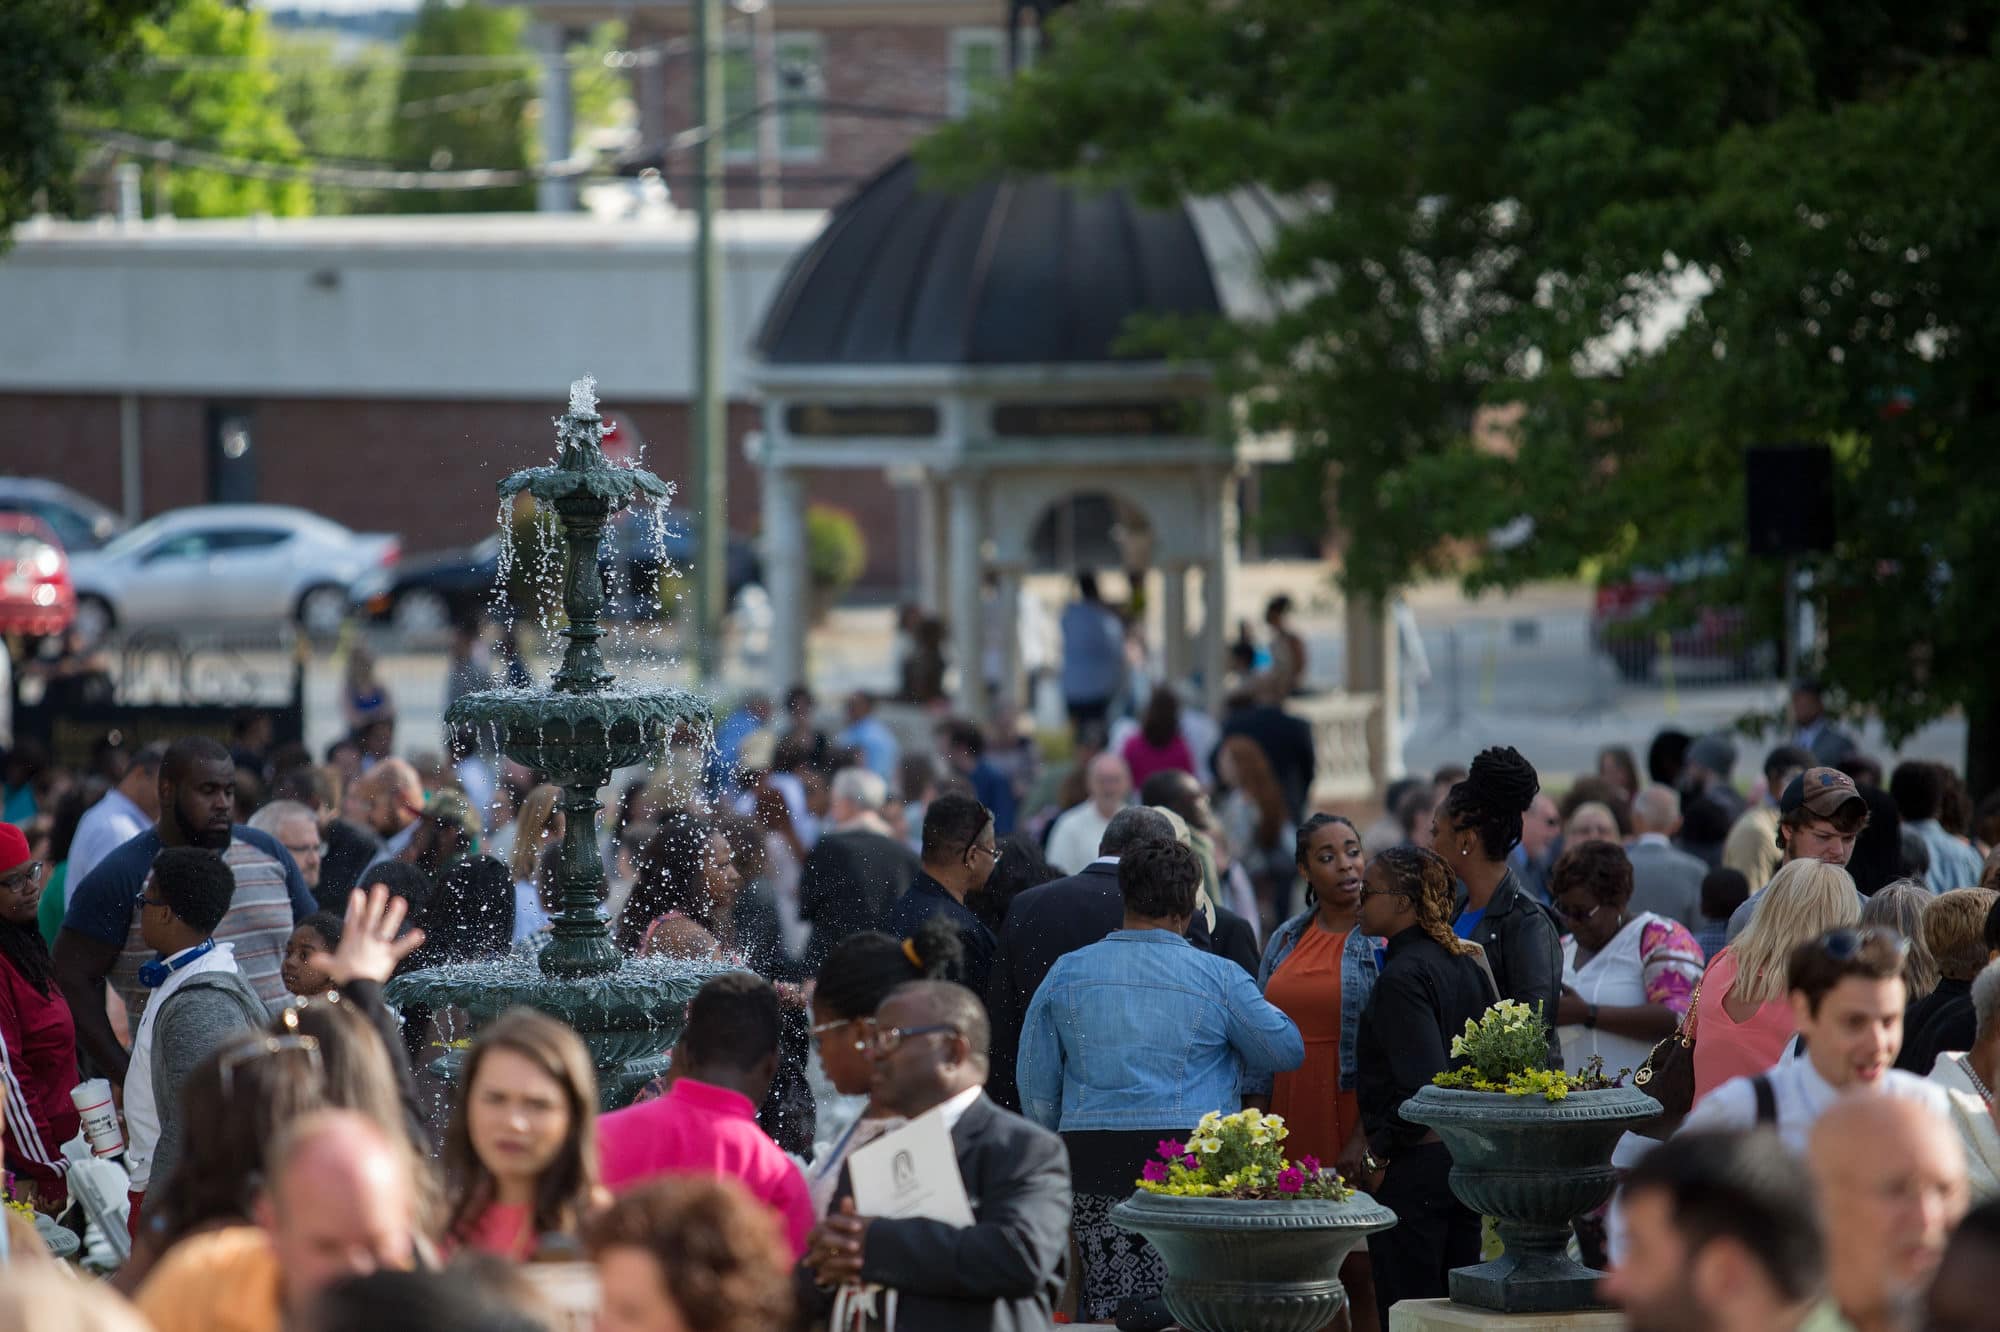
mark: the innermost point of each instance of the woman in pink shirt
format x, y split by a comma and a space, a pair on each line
520, 1155
1157, 746
1743, 1017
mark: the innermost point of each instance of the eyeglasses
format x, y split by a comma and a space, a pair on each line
886, 1040
264, 1048
1579, 917
861, 1044
23, 878
313, 848
146, 901
1367, 893
1841, 945
993, 851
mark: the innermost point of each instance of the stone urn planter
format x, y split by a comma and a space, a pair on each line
1532, 1165
1236, 1266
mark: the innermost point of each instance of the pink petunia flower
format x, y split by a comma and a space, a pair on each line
1291, 1181
1155, 1172
1309, 1164
1170, 1148
1191, 1161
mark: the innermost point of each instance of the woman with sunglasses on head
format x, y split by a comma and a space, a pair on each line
1319, 970
520, 1155
37, 1035
1430, 986
858, 974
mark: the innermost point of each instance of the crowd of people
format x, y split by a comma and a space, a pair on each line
1069, 951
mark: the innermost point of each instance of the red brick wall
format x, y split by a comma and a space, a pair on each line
899, 67
424, 469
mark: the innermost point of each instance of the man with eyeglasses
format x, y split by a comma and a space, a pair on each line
295, 828
200, 999
1847, 996
960, 849
1002, 1273
706, 1124
1820, 815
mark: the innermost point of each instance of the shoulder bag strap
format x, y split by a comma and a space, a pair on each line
1767, 1101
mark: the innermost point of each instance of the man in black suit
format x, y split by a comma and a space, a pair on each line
1056, 918
1005, 1271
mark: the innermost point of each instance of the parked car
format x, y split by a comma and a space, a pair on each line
1623, 627
78, 521
222, 563
425, 594
36, 597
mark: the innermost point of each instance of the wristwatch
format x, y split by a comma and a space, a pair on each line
1590, 1015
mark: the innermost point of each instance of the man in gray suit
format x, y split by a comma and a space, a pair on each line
1665, 880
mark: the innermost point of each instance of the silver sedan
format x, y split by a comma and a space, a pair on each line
226, 564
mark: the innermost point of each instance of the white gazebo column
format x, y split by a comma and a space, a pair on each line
785, 573
1013, 678
1174, 642
967, 534
1220, 575
1372, 651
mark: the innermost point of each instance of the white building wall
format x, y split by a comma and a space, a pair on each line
448, 307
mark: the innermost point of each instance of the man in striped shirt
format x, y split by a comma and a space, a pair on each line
101, 938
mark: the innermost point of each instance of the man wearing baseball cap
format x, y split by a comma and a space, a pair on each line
1819, 816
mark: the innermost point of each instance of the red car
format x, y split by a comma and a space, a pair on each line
36, 598
1720, 635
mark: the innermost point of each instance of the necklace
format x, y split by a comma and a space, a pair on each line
1985, 1092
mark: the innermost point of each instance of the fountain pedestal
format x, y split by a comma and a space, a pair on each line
577, 731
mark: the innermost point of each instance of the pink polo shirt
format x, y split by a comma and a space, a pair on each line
698, 1128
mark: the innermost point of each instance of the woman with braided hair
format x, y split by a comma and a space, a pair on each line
1430, 986
1474, 828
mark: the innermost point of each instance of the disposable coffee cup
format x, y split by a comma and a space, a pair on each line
100, 1117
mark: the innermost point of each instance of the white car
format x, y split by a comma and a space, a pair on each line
226, 563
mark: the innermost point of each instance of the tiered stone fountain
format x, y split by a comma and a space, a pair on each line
578, 730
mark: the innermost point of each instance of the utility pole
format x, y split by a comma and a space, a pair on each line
708, 452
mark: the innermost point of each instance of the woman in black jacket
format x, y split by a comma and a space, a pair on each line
1474, 829
1430, 985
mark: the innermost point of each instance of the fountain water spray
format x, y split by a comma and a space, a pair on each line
579, 730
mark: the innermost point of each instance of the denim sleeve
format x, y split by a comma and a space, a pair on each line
1268, 1041
1039, 1070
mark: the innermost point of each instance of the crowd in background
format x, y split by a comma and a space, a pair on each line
1071, 946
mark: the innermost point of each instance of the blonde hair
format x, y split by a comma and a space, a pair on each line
538, 811
1804, 900
37, 1297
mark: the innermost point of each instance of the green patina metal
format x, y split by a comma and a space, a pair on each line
579, 730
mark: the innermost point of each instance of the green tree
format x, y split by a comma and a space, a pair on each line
464, 119
52, 52
226, 107
342, 109
1654, 235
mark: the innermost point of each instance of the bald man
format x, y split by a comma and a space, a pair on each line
339, 1204
1890, 1176
394, 797
1665, 879
1076, 832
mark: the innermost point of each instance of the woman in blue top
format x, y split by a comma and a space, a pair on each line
1131, 1040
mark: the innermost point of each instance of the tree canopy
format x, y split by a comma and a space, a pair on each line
464, 118
1639, 238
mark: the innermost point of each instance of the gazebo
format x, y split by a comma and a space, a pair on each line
979, 346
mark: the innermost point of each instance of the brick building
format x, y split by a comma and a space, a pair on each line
859, 80
385, 372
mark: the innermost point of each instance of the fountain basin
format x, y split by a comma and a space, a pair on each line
629, 1018
571, 736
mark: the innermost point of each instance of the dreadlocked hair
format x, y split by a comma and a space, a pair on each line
1493, 797
1422, 877
24, 947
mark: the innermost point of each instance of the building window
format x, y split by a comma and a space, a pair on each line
801, 131
979, 64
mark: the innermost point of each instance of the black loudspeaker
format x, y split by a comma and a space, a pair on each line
1790, 499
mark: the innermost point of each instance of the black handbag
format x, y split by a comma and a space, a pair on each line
1667, 1075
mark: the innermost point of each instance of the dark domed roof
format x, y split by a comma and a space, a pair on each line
1021, 270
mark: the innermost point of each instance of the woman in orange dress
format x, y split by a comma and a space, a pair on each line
1318, 970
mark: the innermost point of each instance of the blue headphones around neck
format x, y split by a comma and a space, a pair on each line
156, 973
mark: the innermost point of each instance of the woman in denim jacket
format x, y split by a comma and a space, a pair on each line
1132, 1040
1319, 970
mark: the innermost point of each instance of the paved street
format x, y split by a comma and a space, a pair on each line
1516, 670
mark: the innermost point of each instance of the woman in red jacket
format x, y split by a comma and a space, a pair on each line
37, 1037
